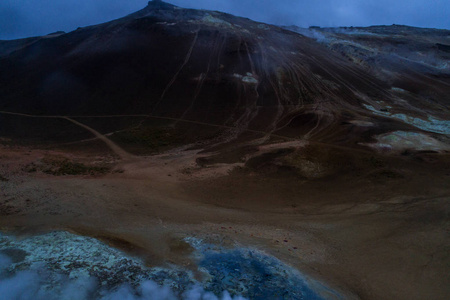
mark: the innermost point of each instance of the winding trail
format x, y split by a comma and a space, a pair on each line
124, 155
114, 147
69, 118
172, 81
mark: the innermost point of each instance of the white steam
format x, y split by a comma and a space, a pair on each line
34, 284
4, 262
149, 290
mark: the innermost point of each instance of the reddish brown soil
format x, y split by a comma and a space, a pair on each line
367, 231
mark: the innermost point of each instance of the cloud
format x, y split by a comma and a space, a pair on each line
5, 262
40, 285
22, 18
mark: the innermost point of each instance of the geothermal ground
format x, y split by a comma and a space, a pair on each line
374, 232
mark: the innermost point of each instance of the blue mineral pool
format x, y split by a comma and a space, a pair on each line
248, 273
60, 265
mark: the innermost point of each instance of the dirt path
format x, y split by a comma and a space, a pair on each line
114, 147
122, 153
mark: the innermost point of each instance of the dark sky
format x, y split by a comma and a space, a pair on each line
23, 18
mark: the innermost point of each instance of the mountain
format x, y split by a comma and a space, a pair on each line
217, 68
205, 66
325, 147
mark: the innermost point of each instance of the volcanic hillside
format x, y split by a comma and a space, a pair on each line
412, 60
195, 65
